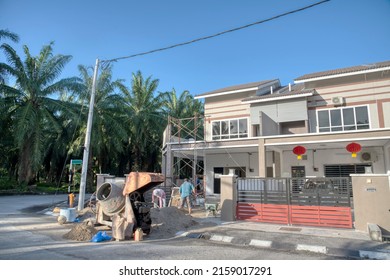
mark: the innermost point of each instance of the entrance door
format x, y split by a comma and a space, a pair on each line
296, 173
217, 180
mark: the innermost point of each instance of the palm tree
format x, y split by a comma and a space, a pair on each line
33, 112
7, 161
186, 110
175, 106
6, 34
109, 133
145, 121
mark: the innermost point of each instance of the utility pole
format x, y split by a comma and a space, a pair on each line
84, 170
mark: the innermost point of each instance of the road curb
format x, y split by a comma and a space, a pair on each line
336, 252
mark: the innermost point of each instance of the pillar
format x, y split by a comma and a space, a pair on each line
228, 200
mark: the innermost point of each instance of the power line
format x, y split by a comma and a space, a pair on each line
217, 34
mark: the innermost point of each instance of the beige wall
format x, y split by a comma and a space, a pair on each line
225, 107
372, 89
371, 199
228, 198
386, 113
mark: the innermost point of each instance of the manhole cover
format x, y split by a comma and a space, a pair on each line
290, 229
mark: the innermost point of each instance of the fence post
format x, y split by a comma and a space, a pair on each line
288, 194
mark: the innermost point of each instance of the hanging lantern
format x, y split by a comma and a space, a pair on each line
353, 148
299, 151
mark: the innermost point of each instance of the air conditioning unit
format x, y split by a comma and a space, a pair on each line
337, 100
368, 156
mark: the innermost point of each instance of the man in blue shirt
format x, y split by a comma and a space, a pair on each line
185, 192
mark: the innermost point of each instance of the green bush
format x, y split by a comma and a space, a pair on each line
48, 187
7, 183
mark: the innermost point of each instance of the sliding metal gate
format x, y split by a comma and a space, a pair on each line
296, 201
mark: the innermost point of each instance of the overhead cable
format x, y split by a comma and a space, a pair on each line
217, 34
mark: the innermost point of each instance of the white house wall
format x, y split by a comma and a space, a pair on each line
329, 157
230, 160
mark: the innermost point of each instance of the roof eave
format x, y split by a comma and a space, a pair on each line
341, 75
278, 98
236, 91
225, 92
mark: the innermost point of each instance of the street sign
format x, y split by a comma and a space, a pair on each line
76, 162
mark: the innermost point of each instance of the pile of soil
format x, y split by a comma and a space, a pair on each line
167, 221
81, 232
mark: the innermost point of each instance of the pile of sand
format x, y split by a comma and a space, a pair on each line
81, 232
166, 222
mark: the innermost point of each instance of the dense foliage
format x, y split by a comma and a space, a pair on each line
43, 118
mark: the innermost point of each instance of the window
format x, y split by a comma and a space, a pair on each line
230, 129
342, 119
338, 173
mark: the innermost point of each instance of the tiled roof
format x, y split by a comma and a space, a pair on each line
346, 70
237, 87
296, 89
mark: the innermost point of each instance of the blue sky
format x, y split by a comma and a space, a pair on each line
336, 34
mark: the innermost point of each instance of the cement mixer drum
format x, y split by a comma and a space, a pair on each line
110, 198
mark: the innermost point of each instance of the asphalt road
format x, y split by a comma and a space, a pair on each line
32, 246
28, 234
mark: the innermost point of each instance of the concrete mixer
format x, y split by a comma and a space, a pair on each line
121, 205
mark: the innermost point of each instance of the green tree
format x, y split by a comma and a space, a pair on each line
9, 157
109, 133
6, 34
187, 111
32, 111
143, 106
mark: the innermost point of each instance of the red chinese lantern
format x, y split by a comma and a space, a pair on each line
299, 151
353, 148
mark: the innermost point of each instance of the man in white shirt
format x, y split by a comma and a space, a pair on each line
160, 194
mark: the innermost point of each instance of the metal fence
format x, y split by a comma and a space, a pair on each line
296, 191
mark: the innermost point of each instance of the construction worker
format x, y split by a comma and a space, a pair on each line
160, 194
185, 193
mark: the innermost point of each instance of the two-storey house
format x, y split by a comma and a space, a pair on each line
253, 128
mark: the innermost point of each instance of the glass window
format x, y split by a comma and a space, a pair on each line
341, 119
335, 118
243, 125
225, 129
323, 118
362, 117
234, 129
230, 129
216, 130
349, 119
348, 116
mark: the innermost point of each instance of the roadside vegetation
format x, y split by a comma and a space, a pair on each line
43, 120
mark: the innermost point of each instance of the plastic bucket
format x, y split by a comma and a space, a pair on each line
69, 214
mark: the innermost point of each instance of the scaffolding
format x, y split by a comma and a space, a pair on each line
183, 162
